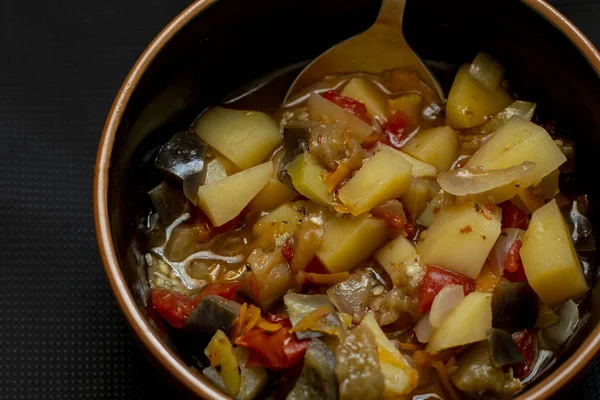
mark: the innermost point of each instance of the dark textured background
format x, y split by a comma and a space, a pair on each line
61, 64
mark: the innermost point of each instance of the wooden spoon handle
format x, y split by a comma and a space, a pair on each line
392, 13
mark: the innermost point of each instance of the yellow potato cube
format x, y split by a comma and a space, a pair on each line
283, 220
395, 256
367, 93
307, 178
384, 176
549, 258
436, 146
224, 199
469, 322
419, 194
272, 196
246, 138
419, 168
346, 242
410, 104
461, 237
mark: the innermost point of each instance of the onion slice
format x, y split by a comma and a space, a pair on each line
568, 315
475, 180
444, 302
423, 329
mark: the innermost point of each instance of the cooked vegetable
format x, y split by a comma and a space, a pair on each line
433, 207
322, 110
435, 146
284, 220
302, 308
367, 93
523, 109
395, 256
271, 282
384, 176
435, 280
444, 302
212, 313
420, 169
223, 200
168, 203
549, 258
272, 196
217, 169
307, 240
357, 366
476, 180
423, 329
273, 350
419, 194
518, 141
182, 156
474, 312
351, 296
347, 242
568, 315
502, 247
410, 104
461, 237
476, 95
317, 380
222, 358
537, 195
307, 178
253, 379
246, 138
504, 350
514, 306
188, 238
399, 377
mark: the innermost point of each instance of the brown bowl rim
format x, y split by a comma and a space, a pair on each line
142, 329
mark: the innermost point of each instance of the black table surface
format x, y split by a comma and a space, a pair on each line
61, 64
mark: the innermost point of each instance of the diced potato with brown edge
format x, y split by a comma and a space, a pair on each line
461, 237
468, 322
283, 220
394, 257
436, 146
419, 194
222, 358
246, 138
322, 110
272, 196
223, 200
419, 168
367, 93
549, 258
410, 104
346, 242
307, 178
517, 141
384, 176
470, 103
399, 377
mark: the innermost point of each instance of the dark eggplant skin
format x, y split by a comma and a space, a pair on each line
211, 314
317, 380
503, 349
169, 203
515, 306
182, 156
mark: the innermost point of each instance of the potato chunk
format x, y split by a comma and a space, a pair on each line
384, 176
346, 242
471, 102
419, 194
395, 256
461, 237
322, 110
367, 93
307, 178
224, 199
517, 141
419, 168
283, 220
246, 138
549, 258
436, 146
469, 322
272, 196
410, 104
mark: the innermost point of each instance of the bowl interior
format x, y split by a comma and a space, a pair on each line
230, 44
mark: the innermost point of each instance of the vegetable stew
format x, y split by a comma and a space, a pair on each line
368, 242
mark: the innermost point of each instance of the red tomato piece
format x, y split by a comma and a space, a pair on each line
288, 251
224, 289
527, 345
354, 107
513, 216
513, 258
435, 279
279, 319
172, 306
391, 212
396, 129
273, 350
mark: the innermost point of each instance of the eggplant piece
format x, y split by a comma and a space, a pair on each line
211, 314
295, 142
352, 295
317, 380
182, 156
515, 306
169, 203
504, 350
300, 305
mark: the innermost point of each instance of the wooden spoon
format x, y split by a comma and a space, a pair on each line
380, 47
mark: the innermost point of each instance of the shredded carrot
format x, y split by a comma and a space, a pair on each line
310, 320
487, 279
327, 279
268, 326
248, 318
333, 179
445, 380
